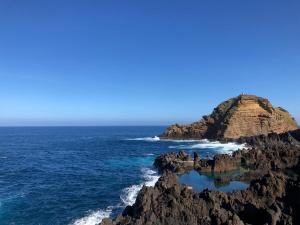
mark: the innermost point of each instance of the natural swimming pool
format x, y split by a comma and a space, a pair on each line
199, 182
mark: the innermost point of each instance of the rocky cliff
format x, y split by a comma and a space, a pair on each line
242, 116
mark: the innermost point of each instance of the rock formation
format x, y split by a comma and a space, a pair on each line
273, 196
271, 164
242, 116
272, 199
266, 152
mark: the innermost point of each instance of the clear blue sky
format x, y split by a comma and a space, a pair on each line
143, 62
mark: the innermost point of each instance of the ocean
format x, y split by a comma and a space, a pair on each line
79, 175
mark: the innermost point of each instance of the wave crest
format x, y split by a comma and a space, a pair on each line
128, 197
94, 217
129, 194
225, 148
155, 138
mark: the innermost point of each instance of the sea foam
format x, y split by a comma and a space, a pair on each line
224, 148
155, 138
94, 217
129, 194
128, 197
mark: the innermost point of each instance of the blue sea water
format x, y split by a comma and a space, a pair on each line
79, 175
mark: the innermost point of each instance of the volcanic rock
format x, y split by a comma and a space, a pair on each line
179, 163
267, 152
242, 116
271, 199
273, 196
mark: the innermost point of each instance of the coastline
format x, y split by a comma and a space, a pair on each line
274, 163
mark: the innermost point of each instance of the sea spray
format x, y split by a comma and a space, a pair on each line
94, 217
223, 148
129, 194
128, 197
155, 138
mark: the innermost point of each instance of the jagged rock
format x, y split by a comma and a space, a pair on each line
178, 163
173, 162
196, 157
182, 155
223, 163
242, 116
273, 196
268, 200
268, 152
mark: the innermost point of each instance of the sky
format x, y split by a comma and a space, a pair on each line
143, 62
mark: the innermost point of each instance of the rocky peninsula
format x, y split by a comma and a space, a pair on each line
271, 161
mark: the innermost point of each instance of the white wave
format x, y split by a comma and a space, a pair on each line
184, 141
129, 194
128, 197
94, 217
150, 176
155, 138
225, 148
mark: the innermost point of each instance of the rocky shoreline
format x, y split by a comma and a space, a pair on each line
273, 196
264, 152
271, 165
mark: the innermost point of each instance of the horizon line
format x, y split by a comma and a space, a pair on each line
144, 125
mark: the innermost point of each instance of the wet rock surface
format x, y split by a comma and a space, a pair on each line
273, 196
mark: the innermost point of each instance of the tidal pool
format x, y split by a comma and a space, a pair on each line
199, 182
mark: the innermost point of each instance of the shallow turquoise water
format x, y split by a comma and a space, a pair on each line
200, 182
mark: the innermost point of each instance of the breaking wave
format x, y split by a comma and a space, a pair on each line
155, 138
94, 217
128, 197
129, 194
225, 148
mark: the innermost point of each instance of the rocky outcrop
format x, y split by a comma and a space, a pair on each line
172, 162
272, 199
178, 163
242, 116
272, 151
273, 196
273, 140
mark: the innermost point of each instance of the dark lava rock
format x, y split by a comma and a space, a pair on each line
179, 163
272, 199
268, 152
273, 196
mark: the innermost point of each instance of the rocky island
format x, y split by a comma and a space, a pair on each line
242, 116
271, 161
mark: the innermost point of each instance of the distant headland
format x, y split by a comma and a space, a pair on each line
241, 116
